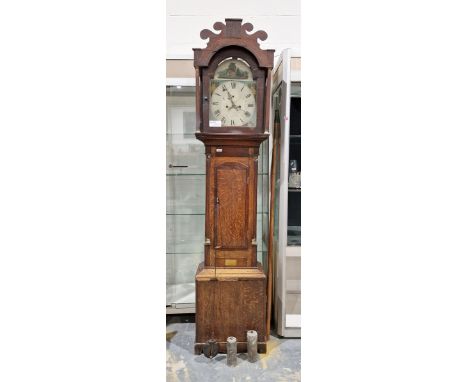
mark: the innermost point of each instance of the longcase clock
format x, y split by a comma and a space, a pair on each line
232, 112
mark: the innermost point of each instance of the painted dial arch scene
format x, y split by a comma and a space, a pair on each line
233, 100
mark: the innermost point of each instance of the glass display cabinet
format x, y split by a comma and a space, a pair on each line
286, 237
185, 195
185, 199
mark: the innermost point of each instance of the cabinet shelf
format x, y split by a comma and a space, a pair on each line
293, 251
293, 321
293, 286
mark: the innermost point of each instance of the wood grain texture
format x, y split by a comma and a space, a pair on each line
232, 203
230, 303
231, 209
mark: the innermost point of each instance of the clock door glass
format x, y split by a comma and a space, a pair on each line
233, 95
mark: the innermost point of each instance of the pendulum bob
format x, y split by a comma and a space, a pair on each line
210, 349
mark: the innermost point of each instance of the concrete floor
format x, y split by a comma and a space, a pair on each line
281, 363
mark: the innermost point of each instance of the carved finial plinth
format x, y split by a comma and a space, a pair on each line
233, 29
233, 33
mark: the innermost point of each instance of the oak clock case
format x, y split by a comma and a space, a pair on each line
232, 74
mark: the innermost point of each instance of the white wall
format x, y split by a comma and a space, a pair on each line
185, 19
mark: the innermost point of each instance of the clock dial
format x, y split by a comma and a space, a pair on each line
233, 103
233, 95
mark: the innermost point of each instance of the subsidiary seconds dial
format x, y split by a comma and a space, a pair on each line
233, 103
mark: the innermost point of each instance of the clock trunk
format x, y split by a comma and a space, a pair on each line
231, 205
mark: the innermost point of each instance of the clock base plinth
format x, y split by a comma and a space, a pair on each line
230, 302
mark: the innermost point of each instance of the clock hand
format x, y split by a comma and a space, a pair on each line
230, 97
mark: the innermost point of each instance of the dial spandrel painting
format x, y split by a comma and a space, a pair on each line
233, 95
